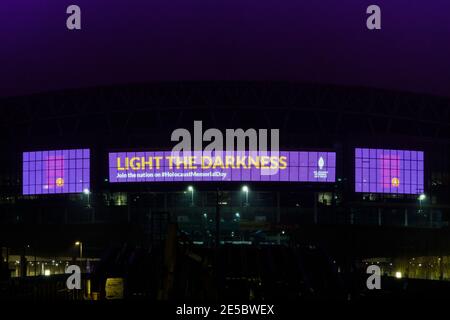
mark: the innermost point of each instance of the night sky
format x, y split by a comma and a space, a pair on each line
318, 41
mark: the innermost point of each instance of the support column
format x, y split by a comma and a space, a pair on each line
128, 208
217, 218
92, 215
431, 218
165, 201
278, 208
316, 213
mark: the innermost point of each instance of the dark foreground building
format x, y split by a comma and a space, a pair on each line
276, 239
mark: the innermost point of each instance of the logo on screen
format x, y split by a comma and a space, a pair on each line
321, 174
321, 163
60, 182
395, 182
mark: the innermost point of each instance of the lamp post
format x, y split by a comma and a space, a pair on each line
191, 190
422, 197
245, 190
87, 192
80, 245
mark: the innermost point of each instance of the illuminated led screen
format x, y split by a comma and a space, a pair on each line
222, 166
389, 171
55, 171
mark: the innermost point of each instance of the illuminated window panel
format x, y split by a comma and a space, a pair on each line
56, 171
389, 171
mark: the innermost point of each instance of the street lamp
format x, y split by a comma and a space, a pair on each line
87, 192
191, 190
245, 190
80, 244
422, 197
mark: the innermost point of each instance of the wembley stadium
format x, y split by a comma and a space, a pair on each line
363, 178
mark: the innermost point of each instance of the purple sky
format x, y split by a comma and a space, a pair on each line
320, 41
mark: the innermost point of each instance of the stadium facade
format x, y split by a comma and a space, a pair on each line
345, 216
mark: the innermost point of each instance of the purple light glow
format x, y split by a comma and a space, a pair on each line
222, 166
56, 171
389, 171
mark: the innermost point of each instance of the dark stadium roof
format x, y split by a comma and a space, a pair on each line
155, 109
